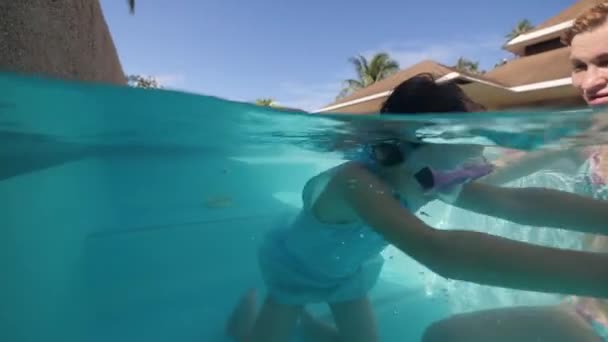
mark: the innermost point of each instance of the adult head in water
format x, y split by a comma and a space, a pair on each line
330, 252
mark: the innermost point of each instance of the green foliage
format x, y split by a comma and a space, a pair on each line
522, 27
265, 102
131, 6
139, 81
468, 66
369, 72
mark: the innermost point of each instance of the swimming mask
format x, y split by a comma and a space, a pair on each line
390, 152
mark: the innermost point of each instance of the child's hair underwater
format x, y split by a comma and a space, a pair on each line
420, 94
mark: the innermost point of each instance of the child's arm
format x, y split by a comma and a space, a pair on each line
467, 255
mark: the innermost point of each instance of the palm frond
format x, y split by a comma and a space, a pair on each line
369, 71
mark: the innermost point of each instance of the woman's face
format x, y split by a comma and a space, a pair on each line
589, 58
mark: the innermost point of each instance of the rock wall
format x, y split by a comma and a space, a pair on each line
67, 39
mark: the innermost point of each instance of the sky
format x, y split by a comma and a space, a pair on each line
296, 52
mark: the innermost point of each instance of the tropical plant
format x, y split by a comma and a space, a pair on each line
522, 27
467, 65
131, 6
139, 81
369, 72
265, 102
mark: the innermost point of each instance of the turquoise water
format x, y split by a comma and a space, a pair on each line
133, 214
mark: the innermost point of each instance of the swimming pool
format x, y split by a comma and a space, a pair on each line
135, 215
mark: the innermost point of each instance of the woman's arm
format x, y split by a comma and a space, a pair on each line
539, 207
528, 164
467, 255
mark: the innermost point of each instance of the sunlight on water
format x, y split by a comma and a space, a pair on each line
134, 214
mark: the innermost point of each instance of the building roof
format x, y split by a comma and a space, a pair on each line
545, 70
394, 80
381, 89
542, 67
495, 98
550, 29
569, 13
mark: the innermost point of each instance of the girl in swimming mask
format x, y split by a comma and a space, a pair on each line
331, 251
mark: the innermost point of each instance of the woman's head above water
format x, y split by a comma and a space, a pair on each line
588, 39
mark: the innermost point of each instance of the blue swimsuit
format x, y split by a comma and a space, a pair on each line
310, 261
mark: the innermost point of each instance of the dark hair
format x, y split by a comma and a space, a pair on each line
422, 94
419, 94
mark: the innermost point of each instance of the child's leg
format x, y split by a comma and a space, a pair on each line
355, 320
315, 330
241, 320
274, 323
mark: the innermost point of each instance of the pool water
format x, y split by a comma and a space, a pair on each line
132, 214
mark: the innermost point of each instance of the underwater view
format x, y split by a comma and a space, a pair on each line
143, 215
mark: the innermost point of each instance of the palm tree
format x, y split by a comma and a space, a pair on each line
131, 6
467, 65
265, 102
522, 27
369, 72
146, 82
